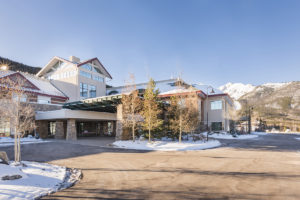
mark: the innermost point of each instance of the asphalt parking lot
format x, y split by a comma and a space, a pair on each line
267, 167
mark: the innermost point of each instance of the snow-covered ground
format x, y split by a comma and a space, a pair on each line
38, 179
229, 136
297, 138
167, 145
259, 133
8, 141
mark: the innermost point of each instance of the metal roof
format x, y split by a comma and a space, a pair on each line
100, 104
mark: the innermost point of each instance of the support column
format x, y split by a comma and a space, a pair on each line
119, 127
59, 130
42, 128
71, 130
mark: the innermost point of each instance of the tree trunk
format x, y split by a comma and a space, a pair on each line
180, 128
16, 146
133, 135
19, 147
149, 129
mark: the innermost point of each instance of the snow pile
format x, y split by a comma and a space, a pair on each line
167, 145
38, 179
8, 141
229, 136
259, 133
236, 90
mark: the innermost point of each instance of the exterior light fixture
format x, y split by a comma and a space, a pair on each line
4, 67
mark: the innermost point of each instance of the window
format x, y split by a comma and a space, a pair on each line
216, 105
51, 129
92, 91
98, 78
4, 126
87, 67
216, 126
85, 74
23, 97
83, 90
95, 69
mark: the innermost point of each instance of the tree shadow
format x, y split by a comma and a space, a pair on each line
49, 151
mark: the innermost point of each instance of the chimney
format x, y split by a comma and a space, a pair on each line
74, 59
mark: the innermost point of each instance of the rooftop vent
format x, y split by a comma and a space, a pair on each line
74, 59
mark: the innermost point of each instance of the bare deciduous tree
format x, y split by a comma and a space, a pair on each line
14, 106
131, 103
184, 114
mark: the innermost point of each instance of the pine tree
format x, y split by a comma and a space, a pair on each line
151, 109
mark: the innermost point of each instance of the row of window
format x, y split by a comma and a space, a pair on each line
62, 75
90, 76
216, 105
87, 90
91, 68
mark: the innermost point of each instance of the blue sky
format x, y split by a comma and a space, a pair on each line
213, 41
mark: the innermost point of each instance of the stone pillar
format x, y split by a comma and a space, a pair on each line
114, 127
42, 128
119, 127
59, 130
71, 130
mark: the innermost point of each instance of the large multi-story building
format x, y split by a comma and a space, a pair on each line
72, 100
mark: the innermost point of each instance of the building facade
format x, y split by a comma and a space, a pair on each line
72, 100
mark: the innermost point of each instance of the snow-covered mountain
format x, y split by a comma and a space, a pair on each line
236, 90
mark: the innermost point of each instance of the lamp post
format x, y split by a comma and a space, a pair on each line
249, 119
211, 92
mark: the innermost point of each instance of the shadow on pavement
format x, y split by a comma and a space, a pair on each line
56, 150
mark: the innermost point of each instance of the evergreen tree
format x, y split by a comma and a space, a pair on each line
151, 109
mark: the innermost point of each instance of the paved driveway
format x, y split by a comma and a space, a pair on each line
267, 167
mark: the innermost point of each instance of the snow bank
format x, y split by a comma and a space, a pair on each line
259, 133
38, 179
8, 141
229, 136
297, 138
167, 145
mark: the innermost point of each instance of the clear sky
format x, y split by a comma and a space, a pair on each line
213, 41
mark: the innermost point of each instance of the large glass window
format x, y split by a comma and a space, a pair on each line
87, 67
98, 78
83, 90
85, 74
92, 90
51, 129
4, 127
216, 105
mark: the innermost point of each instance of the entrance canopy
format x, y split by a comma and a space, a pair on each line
99, 104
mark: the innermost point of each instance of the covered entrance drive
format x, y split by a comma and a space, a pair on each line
87, 118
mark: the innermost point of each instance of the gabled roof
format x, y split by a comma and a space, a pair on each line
53, 61
104, 71
36, 85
